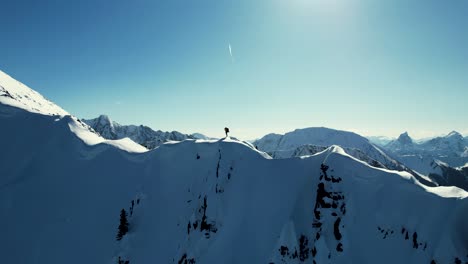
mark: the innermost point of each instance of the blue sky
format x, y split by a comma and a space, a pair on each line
374, 67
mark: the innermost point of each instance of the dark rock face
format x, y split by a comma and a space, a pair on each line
405, 139
202, 222
415, 240
451, 177
303, 248
331, 202
185, 260
328, 211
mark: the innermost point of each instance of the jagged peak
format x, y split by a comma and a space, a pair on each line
104, 119
405, 139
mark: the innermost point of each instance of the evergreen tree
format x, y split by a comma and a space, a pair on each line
123, 226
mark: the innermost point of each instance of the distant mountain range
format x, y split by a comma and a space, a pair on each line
439, 158
308, 140
451, 145
68, 195
142, 135
432, 161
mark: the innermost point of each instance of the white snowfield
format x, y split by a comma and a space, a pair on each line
210, 201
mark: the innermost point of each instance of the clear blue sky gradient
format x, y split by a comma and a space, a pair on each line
375, 67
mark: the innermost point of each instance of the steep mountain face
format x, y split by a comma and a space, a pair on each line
307, 140
64, 189
403, 144
143, 135
449, 176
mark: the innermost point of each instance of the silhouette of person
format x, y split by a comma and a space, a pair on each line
226, 130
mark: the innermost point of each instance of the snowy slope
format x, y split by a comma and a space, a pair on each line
213, 202
62, 189
141, 134
16, 94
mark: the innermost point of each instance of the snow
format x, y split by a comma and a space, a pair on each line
20, 97
436, 158
62, 188
201, 136
140, 134
16, 94
308, 140
450, 149
82, 131
255, 204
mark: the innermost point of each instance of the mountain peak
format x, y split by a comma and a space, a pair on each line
405, 139
104, 119
454, 134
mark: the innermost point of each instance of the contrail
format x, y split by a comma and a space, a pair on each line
230, 52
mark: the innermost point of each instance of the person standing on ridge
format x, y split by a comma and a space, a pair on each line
226, 130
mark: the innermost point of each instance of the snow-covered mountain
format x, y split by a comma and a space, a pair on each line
298, 141
403, 144
436, 158
307, 150
201, 201
451, 148
451, 145
143, 135
15, 97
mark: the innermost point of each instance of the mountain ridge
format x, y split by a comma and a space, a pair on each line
142, 135
64, 188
